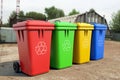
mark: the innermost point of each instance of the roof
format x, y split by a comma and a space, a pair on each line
66, 18
6, 28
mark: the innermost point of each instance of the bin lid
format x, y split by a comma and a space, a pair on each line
84, 26
65, 25
33, 24
99, 26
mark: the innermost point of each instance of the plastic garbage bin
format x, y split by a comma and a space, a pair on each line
97, 45
34, 40
62, 45
82, 43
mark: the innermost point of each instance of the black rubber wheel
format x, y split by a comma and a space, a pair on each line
16, 67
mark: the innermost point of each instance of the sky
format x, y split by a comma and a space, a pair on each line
103, 7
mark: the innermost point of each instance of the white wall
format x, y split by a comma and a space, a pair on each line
7, 34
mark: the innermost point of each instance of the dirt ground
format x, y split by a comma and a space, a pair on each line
105, 69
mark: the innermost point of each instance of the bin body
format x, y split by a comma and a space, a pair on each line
34, 40
97, 45
62, 45
82, 43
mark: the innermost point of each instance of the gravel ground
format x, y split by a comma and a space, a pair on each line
105, 69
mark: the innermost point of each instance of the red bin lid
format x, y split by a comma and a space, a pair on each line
33, 24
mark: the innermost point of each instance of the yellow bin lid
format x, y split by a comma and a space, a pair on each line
84, 26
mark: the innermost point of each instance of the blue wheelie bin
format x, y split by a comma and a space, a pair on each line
97, 43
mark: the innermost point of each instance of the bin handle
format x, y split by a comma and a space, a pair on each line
22, 32
100, 32
66, 33
86, 32
19, 35
40, 32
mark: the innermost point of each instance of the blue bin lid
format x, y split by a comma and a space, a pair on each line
99, 26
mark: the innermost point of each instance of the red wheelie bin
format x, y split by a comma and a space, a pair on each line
34, 41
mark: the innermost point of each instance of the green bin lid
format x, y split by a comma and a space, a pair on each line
64, 25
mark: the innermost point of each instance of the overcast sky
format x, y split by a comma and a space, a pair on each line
103, 7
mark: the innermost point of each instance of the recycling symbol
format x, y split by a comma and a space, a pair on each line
41, 48
66, 45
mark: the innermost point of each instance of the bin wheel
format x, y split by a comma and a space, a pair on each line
16, 67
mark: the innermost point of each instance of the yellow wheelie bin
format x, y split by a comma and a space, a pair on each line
82, 43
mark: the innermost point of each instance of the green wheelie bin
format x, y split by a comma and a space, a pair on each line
62, 45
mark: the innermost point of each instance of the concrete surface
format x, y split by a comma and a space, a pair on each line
105, 69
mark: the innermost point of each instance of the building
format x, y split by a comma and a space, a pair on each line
87, 17
7, 35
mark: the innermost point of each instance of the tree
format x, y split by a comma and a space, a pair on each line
5, 25
35, 15
21, 15
0, 22
12, 14
73, 12
91, 10
115, 22
53, 12
13, 17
